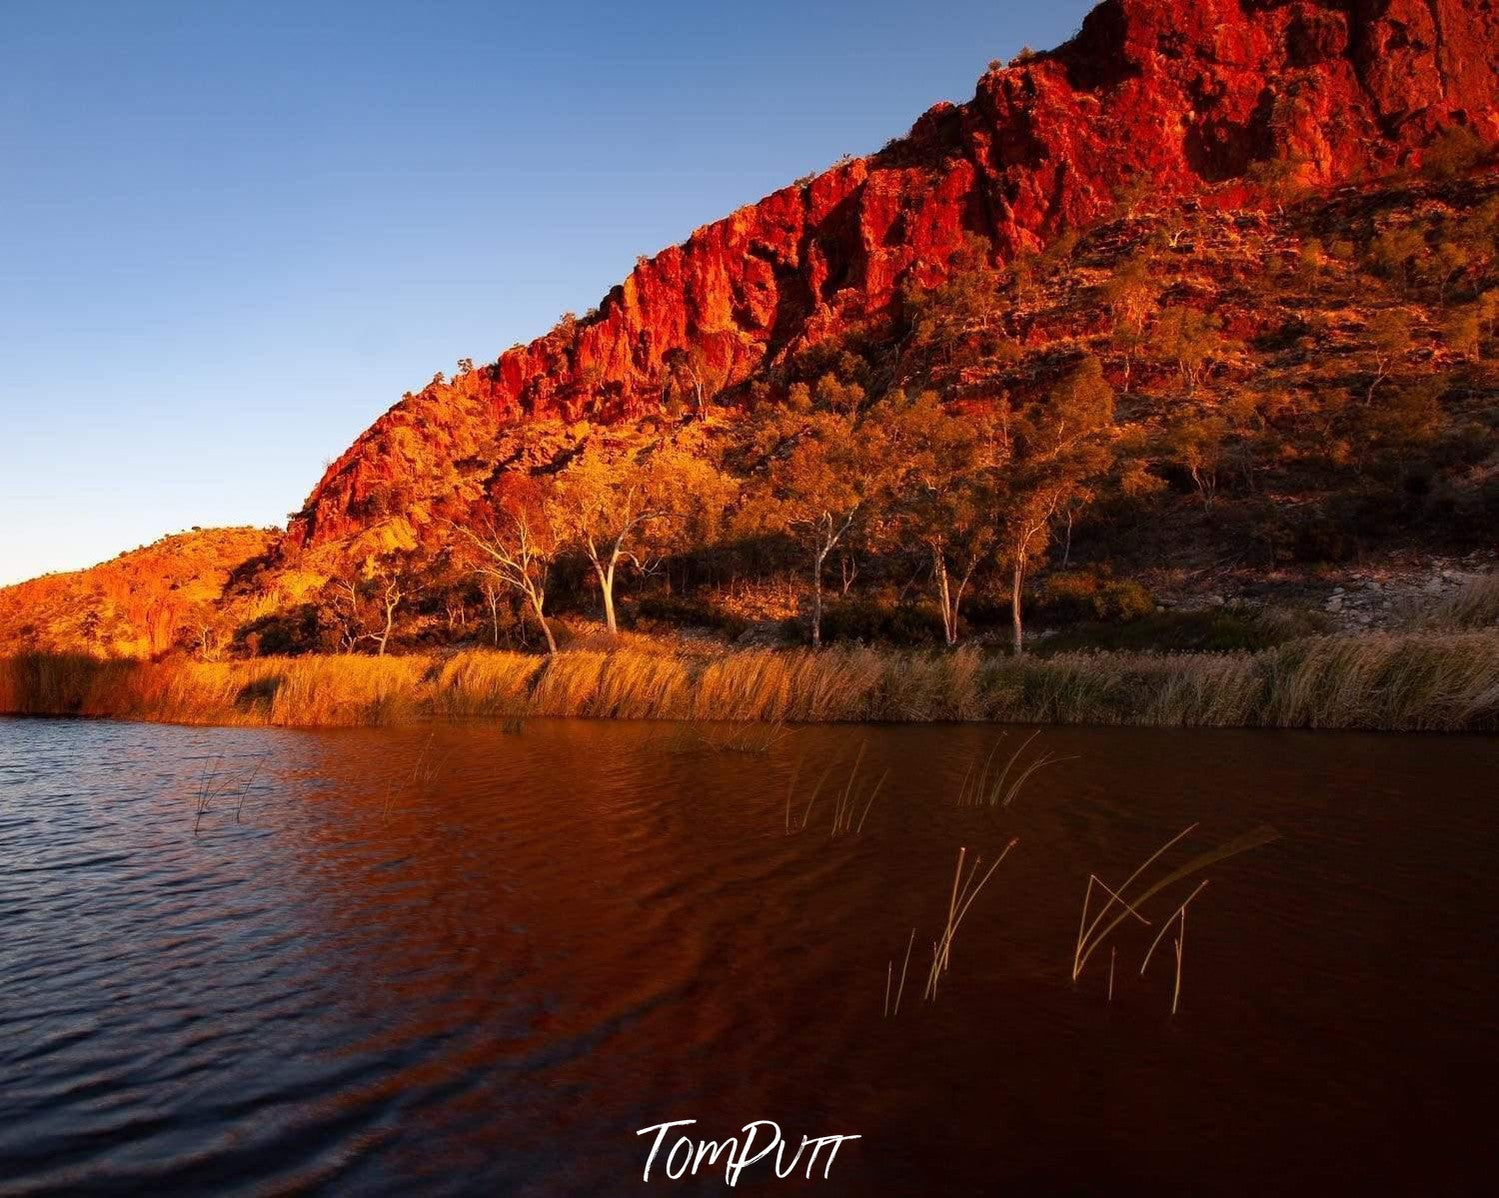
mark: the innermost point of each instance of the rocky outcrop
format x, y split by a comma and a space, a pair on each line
1179, 96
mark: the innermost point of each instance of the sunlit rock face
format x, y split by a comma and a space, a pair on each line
1181, 97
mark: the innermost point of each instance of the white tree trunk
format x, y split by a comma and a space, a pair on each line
1015, 615
817, 559
606, 588
546, 629
945, 597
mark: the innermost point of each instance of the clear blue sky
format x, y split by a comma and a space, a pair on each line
231, 234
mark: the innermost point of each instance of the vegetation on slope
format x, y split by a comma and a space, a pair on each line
1181, 399
148, 601
1235, 396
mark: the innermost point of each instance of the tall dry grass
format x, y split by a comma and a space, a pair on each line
1423, 680
1474, 605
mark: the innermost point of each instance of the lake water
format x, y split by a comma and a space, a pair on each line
461, 960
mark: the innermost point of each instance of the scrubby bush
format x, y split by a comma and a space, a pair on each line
1071, 596
870, 621
287, 633
1456, 151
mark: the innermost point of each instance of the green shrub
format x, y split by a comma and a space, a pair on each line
1072, 596
870, 621
285, 634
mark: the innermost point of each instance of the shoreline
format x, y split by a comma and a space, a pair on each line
1393, 682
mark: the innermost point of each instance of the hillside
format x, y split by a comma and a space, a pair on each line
1173, 99
1256, 243
167, 595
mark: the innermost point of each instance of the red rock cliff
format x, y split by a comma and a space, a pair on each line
1184, 93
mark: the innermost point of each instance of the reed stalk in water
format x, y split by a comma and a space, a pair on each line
845, 806
1179, 917
245, 789
901, 989
207, 782
807, 814
952, 902
212, 787
961, 899
1040, 763
873, 794
973, 796
741, 737
1179, 913
1084, 929
843, 811
1009, 765
977, 789
796, 772
424, 772
757, 739
1181, 940
1090, 936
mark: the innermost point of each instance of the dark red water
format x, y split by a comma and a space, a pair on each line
486, 979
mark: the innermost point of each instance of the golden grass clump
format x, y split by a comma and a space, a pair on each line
486, 683
1423, 680
1474, 605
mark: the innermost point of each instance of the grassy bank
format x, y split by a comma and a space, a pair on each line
1445, 681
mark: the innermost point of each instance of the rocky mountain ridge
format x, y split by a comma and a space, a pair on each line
1174, 98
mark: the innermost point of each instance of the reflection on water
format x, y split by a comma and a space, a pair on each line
458, 961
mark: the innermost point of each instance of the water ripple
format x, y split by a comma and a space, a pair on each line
363, 979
